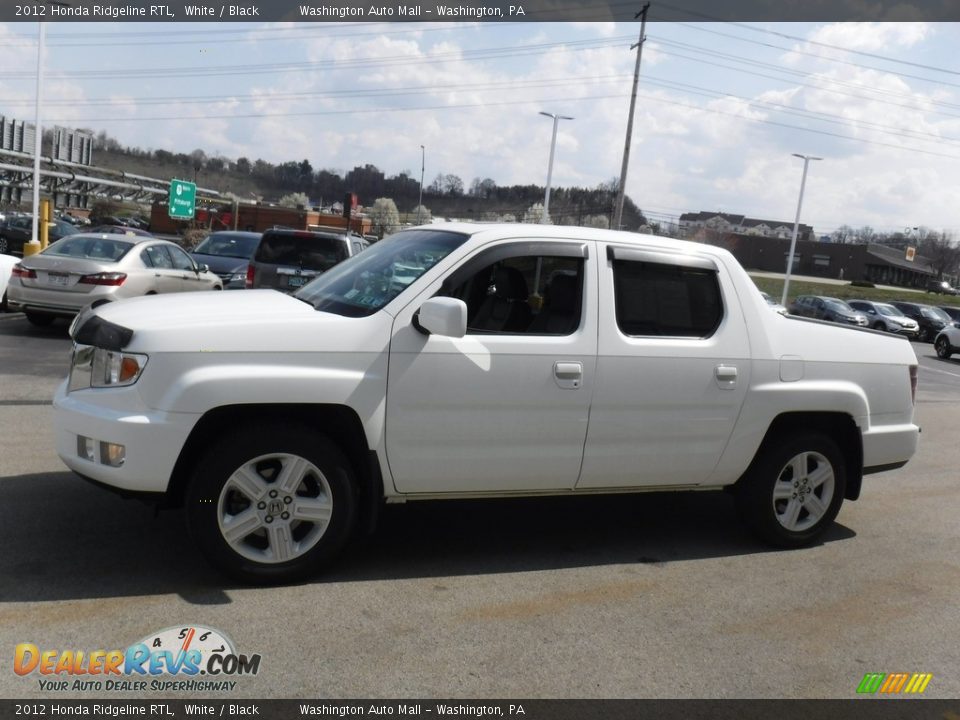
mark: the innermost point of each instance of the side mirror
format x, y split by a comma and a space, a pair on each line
442, 316
202, 267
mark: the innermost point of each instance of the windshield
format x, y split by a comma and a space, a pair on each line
366, 282
228, 245
935, 314
889, 310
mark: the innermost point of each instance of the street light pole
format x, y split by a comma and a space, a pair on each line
553, 145
423, 164
38, 130
796, 225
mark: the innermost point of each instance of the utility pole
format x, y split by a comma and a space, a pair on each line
423, 164
38, 137
618, 215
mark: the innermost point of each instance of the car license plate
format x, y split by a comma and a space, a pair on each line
60, 279
297, 281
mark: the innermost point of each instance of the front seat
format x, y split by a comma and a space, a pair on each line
561, 307
505, 310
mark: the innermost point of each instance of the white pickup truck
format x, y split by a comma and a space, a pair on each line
478, 361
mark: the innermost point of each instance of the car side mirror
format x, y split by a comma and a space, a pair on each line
202, 267
442, 316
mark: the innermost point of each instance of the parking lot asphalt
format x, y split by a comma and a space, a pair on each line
657, 595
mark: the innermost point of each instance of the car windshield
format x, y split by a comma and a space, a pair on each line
366, 282
228, 245
889, 310
89, 248
935, 314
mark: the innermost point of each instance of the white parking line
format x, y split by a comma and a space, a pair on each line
945, 372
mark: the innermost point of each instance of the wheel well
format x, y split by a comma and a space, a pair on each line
340, 423
840, 427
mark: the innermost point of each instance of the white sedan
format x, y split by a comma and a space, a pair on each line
91, 269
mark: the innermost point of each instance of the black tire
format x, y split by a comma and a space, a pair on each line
943, 348
879, 326
39, 319
4, 245
924, 335
772, 470
213, 494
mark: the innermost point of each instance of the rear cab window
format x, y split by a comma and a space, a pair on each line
660, 294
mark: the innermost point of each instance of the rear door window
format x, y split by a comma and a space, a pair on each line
655, 298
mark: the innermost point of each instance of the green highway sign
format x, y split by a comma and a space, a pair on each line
183, 199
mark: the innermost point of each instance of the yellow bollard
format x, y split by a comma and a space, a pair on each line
30, 248
46, 214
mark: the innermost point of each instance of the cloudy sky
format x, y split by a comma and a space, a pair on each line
720, 108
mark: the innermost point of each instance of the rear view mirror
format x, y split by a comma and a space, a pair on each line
443, 316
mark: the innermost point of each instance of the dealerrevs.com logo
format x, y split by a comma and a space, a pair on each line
193, 658
894, 683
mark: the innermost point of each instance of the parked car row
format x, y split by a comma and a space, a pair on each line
16, 231
913, 320
111, 263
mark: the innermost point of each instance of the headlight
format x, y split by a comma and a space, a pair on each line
238, 277
99, 368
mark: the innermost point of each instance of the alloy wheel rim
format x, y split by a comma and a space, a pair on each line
274, 508
803, 492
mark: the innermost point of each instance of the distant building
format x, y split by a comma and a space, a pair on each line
74, 146
692, 223
872, 262
16, 136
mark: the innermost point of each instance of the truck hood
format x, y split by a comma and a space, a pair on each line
247, 321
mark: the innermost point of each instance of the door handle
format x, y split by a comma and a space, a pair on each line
568, 374
726, 376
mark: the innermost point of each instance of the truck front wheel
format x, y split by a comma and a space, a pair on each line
272, 504
793, 490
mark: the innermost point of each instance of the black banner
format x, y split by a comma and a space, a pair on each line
478, 10
854, 709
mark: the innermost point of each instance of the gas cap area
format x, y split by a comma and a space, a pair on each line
791, 368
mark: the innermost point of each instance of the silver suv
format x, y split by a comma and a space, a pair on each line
288, 259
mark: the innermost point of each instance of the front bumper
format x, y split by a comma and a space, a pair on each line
152, 439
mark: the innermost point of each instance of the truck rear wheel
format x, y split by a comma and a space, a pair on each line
793, 490
272, 504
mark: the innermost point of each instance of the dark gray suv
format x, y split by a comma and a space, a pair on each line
288, 259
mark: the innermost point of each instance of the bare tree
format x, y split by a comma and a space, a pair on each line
843, 235
942, 253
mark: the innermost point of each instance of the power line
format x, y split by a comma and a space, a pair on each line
495, 53
752, 28
803, 84
320, 94
795, 73
815, 55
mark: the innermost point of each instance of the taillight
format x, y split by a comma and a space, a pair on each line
251, 273
108, 278
913, 384
19, 271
